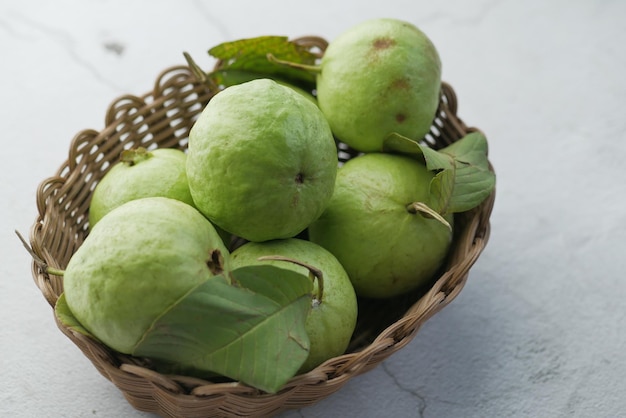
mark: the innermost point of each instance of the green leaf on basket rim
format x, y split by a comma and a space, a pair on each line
463, 177
252, 330
247, 59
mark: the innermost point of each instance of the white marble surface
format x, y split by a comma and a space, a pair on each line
539, 329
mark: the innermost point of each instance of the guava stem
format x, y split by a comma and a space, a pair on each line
314, 272
53, 271
426, 211
41, 263
135, 155
315, 69
195, 68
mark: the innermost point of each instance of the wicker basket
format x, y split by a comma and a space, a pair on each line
163, 118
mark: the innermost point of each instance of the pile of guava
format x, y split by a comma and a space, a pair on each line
246, 255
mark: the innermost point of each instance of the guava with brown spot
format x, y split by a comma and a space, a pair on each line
261, 161
380, 76
136, 263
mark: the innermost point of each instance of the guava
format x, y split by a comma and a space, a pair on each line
261, 161
307, 95
378, 229
141, 173
380, 76
136, 263
332, 320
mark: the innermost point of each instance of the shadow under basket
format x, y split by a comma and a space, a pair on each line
162, 118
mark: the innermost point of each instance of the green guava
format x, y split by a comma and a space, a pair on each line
141, 173
376, 229
307, 95
380, 76
139, 260
261, 161
332, 320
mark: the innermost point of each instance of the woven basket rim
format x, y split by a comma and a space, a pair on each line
150, 391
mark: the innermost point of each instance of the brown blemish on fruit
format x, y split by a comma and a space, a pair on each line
379, 45
299, 180
401, 84
295, 200
383, 43
397, 86
215, 263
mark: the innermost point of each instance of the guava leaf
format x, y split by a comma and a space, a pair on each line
434, 160
463, 178
442, 189
252, 330
249, 57
471, 149
67, 318
473, 179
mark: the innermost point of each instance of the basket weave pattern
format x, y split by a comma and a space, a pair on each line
163, 118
